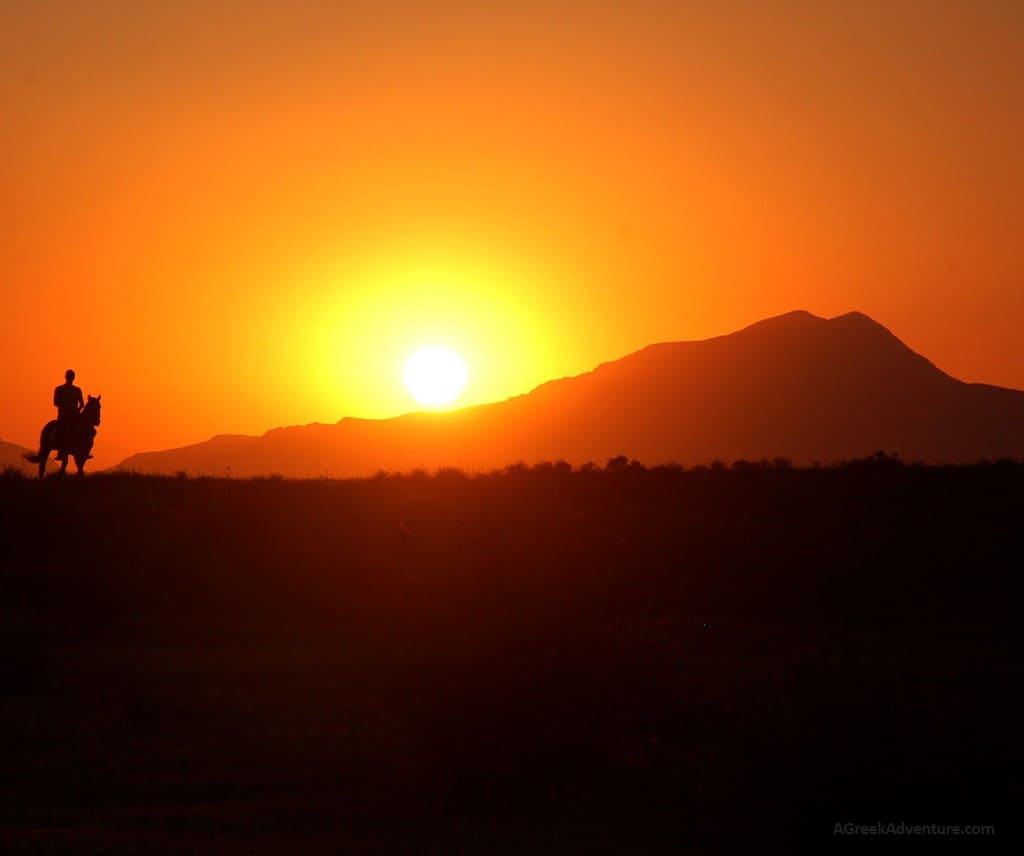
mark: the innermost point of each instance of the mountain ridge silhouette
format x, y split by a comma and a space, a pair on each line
12, 457
796, 386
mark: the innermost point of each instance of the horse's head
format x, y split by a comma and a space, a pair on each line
91, 411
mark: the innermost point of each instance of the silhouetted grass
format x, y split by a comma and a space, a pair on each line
604, 658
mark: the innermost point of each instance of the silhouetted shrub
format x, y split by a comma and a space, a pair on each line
451, 474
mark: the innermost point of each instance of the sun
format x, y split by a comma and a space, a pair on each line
435, 376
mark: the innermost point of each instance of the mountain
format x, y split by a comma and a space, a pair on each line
795, 386
12, 457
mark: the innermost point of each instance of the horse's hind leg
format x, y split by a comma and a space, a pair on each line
80, 464
44, 455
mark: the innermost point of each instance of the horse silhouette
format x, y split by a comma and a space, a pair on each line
78, 444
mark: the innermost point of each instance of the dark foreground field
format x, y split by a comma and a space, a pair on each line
611, 661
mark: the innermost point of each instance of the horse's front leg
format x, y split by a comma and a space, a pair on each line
80, 463
63, 466
44, 456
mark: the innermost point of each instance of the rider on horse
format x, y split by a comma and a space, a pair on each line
67, 398
73, 432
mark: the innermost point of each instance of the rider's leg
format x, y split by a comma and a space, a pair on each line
63, 441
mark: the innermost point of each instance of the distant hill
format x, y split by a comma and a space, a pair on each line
795, 386
12, 457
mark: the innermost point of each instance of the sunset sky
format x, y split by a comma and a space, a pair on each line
237, 215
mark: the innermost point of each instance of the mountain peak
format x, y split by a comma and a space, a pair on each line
794, 315
859, 319
796, 319
802, 319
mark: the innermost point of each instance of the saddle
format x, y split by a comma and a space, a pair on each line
68, 433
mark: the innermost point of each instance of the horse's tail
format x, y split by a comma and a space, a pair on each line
45, 444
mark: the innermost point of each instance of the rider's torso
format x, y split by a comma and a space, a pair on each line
67, 398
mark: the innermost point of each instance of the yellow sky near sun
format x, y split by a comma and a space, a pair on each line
233, 216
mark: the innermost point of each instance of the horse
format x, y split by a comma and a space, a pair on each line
81, 435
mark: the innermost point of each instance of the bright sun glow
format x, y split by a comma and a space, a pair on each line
435, 376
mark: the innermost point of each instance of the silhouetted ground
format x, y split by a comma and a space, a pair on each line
618, 660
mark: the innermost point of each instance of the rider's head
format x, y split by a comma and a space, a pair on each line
69, 375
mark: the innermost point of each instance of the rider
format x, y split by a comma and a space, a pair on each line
67, 398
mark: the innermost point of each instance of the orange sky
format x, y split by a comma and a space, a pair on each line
231, 216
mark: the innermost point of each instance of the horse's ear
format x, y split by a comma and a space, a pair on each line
98, 397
